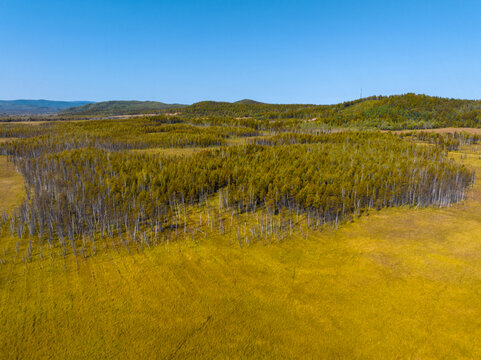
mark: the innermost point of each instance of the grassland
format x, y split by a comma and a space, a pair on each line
400, 283
4, 140
11, 185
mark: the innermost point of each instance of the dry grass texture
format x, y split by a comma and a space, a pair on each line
11, 185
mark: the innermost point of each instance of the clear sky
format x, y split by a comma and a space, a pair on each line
275, 51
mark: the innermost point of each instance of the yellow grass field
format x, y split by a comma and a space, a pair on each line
23, 122
4, 140
401, 283
11, 185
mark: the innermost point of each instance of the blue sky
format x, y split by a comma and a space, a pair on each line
275, 51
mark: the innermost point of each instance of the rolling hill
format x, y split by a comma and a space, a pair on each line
17, 107
248, 102
120, 108
407, 111
396, 112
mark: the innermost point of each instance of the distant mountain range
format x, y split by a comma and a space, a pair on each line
134, 107
90, 108
407, 111
17, 107
121, 108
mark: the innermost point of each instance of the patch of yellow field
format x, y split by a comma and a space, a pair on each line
11, 185
4, 140
39, 122
400, 283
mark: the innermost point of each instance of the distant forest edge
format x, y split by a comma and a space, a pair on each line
18, 107
408, 111
113, 108
397, 112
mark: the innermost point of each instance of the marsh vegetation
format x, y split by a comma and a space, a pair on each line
189, 235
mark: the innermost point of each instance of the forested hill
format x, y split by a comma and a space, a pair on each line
121, 108
248, 101
245, 108
408, 111
14, 107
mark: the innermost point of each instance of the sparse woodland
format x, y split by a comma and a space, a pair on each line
85, 185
